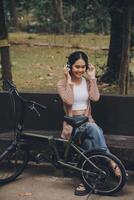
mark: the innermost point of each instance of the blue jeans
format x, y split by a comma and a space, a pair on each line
93, 138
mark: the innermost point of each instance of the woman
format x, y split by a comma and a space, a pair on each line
77, 92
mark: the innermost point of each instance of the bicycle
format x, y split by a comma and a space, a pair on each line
94, 167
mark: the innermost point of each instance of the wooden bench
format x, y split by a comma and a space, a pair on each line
114, 114
121, 146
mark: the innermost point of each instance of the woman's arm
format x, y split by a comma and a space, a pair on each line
94, 94
65, 90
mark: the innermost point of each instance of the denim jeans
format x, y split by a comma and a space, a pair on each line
93, 138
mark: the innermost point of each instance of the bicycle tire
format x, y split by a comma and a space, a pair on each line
108, 185
13, 164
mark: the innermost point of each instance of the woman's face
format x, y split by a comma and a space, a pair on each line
78, 68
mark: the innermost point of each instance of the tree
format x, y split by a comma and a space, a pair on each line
124, 66
4, 47
13, 13
117, 10
59, 16
115, 46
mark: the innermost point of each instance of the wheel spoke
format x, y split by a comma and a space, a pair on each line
105, 183
13, 165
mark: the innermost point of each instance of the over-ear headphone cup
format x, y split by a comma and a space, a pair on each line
68, 66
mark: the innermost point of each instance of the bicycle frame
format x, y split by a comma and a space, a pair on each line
80, 151
70, 144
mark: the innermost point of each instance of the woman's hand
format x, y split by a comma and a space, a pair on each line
67, 74
91, 71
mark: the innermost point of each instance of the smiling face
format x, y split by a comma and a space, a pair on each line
78, 69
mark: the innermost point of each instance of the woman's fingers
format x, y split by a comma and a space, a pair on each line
65, 70
91, 67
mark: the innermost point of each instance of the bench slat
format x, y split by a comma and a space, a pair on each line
116, 141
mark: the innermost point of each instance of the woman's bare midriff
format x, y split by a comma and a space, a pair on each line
78, 112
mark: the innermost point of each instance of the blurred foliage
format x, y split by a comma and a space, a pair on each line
79, 17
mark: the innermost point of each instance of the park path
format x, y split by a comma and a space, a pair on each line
42, 183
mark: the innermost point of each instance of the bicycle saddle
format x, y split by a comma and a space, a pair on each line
76, 121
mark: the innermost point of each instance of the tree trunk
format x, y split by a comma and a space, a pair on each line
115, 48
5, 62
4, 47
116, 10
13, 13
124, 67
59, 16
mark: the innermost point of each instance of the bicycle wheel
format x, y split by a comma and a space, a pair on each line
13, 164
107, 184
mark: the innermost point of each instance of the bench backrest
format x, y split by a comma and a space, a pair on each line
113, 113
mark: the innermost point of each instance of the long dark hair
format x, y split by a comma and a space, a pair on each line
73, 57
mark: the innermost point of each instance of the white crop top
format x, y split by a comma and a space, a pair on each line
80, 93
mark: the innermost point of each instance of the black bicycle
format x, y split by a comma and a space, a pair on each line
94, 167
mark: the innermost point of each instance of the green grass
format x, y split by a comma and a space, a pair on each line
90, 40
38, 68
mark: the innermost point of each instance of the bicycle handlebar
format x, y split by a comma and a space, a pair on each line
31, 104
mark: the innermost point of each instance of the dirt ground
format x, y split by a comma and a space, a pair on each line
44, 183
